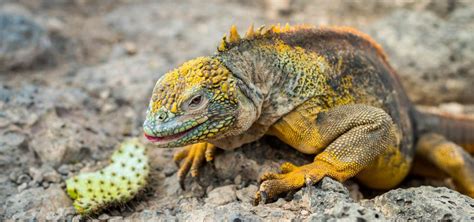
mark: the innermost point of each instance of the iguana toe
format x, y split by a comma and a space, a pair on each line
191, 158
291, 179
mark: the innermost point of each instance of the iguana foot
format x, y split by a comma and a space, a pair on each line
293, 178
192, 157
450, 158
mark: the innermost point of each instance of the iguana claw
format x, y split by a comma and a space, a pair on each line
191, 158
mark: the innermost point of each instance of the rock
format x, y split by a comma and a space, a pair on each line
65, 169
36, 174
7, 188
13, 145
38, 204
158, 21
330, 200
119, 78
238, 180
104, 217
247, 194
115, 219
22, 41
14, 174
130, 47
247, 161
57, 142
22, 187
13, 139
424, 203
51, 176
222, 195
441, 62
23, 178
17, 9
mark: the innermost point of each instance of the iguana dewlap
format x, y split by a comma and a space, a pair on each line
324, 91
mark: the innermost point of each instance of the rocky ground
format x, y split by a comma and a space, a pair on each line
75, 79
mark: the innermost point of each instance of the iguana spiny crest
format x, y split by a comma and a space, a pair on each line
234, 38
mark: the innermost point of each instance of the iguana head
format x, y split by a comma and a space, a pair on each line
193, 103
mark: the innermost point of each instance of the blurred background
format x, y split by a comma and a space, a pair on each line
76, 75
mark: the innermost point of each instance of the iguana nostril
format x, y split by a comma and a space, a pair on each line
162, 116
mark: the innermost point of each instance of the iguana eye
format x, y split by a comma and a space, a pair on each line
196, 102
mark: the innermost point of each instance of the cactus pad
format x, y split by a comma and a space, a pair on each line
116, 184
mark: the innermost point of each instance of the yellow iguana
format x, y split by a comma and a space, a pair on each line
325, 91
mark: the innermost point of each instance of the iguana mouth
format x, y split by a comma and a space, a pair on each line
168, 138
177, 134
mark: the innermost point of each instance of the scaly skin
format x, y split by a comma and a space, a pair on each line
324, 91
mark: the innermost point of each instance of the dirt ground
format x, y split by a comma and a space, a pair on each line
76, 77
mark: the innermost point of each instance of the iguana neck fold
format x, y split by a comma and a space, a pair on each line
276, 77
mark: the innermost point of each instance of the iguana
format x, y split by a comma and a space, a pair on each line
327, 91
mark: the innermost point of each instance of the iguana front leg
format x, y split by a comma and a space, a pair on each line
192, 157
351, 137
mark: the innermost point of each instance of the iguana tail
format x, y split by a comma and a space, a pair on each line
456, 128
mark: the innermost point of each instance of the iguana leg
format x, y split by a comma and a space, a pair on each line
450, 158
192, 157
354, 136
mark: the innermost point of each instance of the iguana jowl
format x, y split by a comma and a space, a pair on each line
326, 91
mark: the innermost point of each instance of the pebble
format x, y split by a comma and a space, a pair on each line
22, 187
64, 169
52, 176
14, 175
130, 47
45, 184
115, 219
23, 178
104, 217
238, 180
36, 174
169, 170
222, 195
77, 218
247, 194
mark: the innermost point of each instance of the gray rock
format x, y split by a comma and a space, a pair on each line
28, 105
50, 175
64, 169
431, 54
222, 195
424, 203
329, 200
38, 204
11, 142
36, 174
57, 142
22, 187
12, 138
158, 21
22, 41
23, 178
119, 78
247, 194
115, 219
103, 217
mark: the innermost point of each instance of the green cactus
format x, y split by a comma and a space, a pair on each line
117, 183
